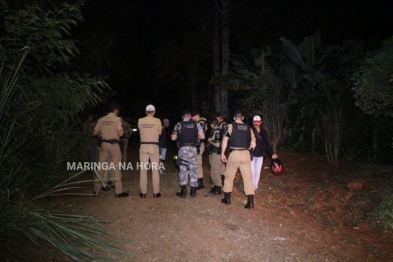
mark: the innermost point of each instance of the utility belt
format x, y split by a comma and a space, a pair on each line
230, 150
112, 142
150, 143
188, 144
215, 150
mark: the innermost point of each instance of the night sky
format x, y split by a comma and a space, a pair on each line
140, 26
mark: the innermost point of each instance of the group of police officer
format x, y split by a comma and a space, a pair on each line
229, 147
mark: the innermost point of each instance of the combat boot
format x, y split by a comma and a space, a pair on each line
183, 192
216, 190
222, 179
193, 191
250, 202
227, 198
200, 184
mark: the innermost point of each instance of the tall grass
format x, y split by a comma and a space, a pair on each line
32, 171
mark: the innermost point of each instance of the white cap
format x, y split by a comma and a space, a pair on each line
257, 118
150, 108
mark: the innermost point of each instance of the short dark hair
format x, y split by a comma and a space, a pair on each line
238, 113
113, 106
194, 112
217, 114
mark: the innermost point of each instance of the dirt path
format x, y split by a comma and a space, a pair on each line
203, 229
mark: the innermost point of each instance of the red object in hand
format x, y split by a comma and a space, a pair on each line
276, 166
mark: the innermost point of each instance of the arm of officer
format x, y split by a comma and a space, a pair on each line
97, 129
253, 140
120, 129
175, 132
201, 132
159, 126
224, 145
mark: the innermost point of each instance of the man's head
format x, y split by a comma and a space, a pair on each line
166, 122
238, 115
186, 114
257, 121
150, 109
218, 116
195, 115
114, 108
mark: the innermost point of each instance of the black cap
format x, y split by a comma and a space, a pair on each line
216, 114
185, 112
237, 111
113, 106
194, 112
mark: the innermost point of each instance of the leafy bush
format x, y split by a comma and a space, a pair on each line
384, 213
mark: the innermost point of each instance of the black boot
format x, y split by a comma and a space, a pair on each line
183, 192
216, 190
250, 202
193, 191
227, 198
200, 184
222, 179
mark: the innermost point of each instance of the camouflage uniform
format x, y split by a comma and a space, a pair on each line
188, 165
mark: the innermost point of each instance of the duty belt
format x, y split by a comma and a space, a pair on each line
110, 141
188, 144
150, 143
237, 149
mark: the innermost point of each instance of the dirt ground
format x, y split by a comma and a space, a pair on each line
312, 212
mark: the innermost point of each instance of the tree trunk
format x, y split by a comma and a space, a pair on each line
225, 53
217, 58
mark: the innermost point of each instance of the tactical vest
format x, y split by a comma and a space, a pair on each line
240, 136
217, 133
188, 134
202, 123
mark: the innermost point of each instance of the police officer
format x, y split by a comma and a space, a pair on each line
217, 167
125, 138
163, 144
187, 133
111, 130
202, 122
149, 131
240, 140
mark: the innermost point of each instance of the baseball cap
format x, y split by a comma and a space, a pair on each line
216, 114
257, 119
150, 108
185, 112
194, 112
166, 120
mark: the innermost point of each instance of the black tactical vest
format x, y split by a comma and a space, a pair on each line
240, 136
188, 134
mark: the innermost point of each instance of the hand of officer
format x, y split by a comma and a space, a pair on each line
274, 156
223, 158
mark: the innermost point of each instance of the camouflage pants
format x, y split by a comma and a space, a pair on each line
188, 165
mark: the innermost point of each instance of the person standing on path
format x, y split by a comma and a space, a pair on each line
125, 139
262, 147
110, 129
217, 167
239, 139
187, 133
163, 144
201, 148
149, 131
